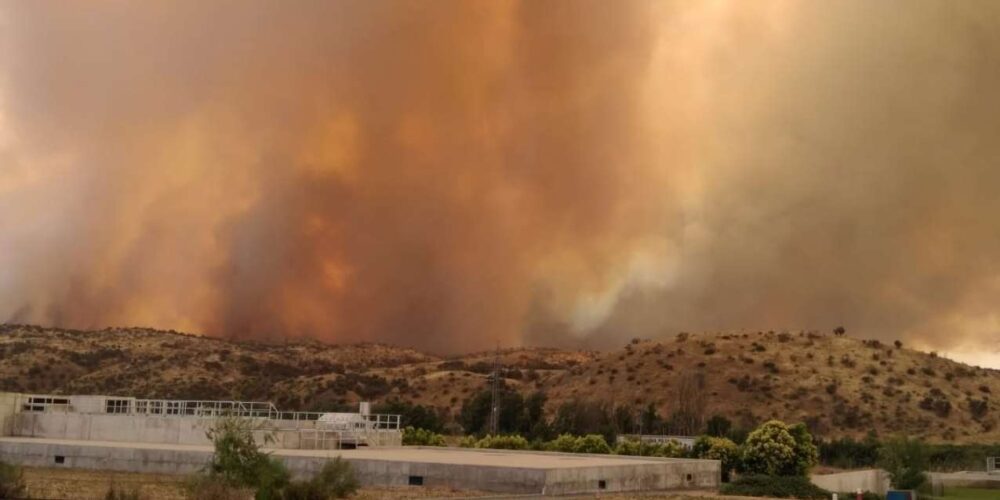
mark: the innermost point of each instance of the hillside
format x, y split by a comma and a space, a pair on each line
838, 385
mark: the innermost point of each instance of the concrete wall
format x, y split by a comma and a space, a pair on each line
873, 480
10, 405
667, 475
115, 428
630, 475
159, 429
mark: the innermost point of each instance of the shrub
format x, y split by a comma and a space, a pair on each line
630, 447
565, 443
335, 480
421, 437
11, 481
756, 485
239, 462
467, 442
905, 460
721, 449
114, 493
592, 443
509, 442
203, 487
670, 449
806, 453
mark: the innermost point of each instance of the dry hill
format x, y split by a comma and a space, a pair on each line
838, 385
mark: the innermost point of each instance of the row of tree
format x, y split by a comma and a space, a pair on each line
525, 415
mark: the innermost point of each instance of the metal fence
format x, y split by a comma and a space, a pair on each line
281, 420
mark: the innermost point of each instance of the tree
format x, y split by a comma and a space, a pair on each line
718, 426
806, 452
905, 460
239, 462
624, 420
721, 449
475, 413
776, 449
689, 417
584, 417
839, 331
11, 481
412, 415
650, 420
535, 426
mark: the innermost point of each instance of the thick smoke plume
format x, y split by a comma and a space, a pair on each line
455, 174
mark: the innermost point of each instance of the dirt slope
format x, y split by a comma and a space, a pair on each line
838, 385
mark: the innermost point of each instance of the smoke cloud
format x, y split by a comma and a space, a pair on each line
451, 175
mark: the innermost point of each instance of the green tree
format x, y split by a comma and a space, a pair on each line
535, 426
414, 415
721, 449
806, 452
905, 460
476, 411
777, 449
770, 450
650, 420
11, 481
718, 426
239, 462
584, 417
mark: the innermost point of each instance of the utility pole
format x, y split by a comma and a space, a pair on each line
495, 393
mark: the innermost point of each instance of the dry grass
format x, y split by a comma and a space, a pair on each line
839, 385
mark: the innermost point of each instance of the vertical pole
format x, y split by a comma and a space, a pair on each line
495, 400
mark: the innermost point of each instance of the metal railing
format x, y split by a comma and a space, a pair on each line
277, 420
167, 407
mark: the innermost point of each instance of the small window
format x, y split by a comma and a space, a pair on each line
60, 459
602, 484
689, 477
117, 406
416, 480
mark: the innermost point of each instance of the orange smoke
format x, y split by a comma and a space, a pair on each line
454, 174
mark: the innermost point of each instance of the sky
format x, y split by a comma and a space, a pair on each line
451, 175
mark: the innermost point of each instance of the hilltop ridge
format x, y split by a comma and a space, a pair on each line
838, 385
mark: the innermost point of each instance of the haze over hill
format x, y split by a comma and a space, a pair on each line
447, 175
837, 385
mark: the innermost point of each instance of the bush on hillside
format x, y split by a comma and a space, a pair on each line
421, 437
758, 485
11, 481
